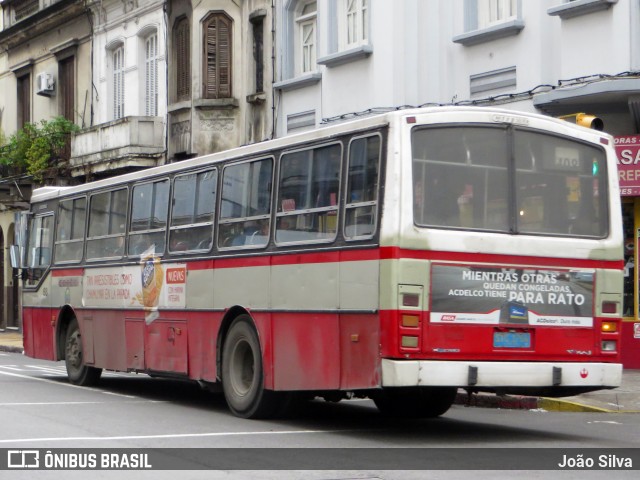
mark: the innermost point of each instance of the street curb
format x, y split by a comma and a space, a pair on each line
487, 400
557, 405
10, 349
517, 402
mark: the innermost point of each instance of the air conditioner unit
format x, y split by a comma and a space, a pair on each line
45, 84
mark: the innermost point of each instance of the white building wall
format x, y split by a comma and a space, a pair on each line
416, 61
115, 24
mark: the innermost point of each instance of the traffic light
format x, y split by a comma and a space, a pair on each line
584, 120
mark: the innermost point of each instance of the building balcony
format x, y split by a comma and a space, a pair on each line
119, 146
24, 20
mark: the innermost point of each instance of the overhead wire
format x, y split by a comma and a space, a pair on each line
496, 99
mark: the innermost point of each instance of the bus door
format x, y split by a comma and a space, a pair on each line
38, 317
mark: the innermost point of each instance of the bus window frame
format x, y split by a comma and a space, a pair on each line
603, 185
372, 203
277, 215
212, 223
43, 271
83, 240
127, 189
269, 216
165, 229
512, 173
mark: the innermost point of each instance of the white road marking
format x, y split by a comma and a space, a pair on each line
174, 435
46, 380
60, 371
29, 404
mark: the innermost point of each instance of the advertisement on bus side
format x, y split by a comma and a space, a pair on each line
495, 295
150, 285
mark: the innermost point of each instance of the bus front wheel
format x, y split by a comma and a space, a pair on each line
415, 402
77, 371
242, 372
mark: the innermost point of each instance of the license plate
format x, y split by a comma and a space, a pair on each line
512, 339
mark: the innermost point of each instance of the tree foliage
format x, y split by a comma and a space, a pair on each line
39, 148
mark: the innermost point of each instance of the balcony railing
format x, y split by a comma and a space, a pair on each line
124, 144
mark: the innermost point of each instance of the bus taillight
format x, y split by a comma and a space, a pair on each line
609, 307
412, 321
609, 327
410, 331
409, 341
411, 300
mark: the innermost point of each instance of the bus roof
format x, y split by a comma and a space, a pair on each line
324, 132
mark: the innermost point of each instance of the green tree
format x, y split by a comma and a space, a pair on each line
39, 149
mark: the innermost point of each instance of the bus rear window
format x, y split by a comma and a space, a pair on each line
508, 180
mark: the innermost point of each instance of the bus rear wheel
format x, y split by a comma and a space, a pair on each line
242, 372
77, 372
415, 402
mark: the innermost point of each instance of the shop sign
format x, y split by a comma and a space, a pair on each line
628, 152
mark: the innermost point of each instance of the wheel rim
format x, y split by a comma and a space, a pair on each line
242, 368
74, 350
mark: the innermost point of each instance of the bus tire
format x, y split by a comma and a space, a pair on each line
77, 372
415, 402
242, 372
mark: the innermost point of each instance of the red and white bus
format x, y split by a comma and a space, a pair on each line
398, 257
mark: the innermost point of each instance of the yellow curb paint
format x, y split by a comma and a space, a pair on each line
556, 405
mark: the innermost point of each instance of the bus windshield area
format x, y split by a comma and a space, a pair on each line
40, 247
508, 180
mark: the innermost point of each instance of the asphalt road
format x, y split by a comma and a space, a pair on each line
40, 409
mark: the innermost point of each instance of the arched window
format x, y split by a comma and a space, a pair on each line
305, 44
217, 30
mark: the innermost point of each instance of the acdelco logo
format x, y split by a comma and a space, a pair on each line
448, 318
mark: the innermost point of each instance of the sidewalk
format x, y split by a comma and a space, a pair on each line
10, 341
624, 399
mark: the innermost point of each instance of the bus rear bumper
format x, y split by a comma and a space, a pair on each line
427, 373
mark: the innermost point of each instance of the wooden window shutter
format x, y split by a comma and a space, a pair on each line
224, 58
183, 59
217, 45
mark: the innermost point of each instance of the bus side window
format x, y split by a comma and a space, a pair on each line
362, 188
149, 212
308, 195
245, 209
107, 218
70, 228
193, 206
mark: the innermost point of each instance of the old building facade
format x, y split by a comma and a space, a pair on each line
44, 72
220, 75
147, 82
